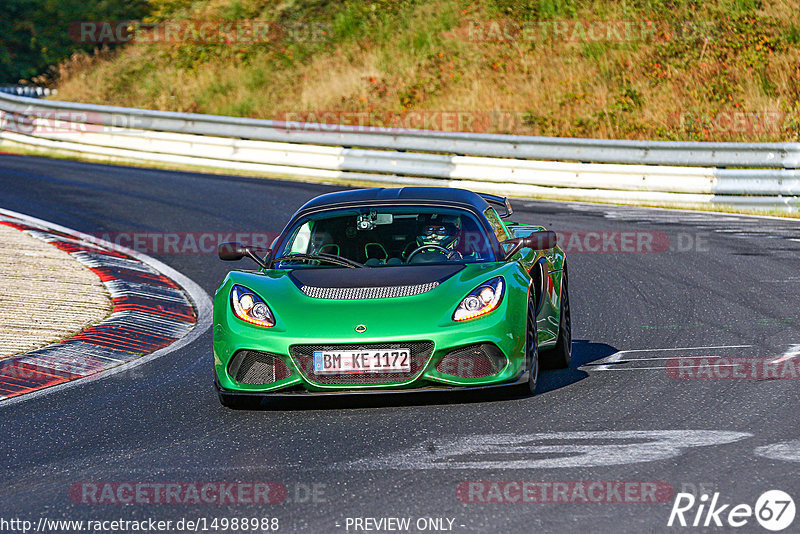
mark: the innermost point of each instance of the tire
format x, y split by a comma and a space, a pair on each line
559, 357
532, 352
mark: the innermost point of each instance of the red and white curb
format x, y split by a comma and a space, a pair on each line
156, 310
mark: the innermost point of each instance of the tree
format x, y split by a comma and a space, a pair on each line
34, 34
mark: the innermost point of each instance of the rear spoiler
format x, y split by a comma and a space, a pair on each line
499, 201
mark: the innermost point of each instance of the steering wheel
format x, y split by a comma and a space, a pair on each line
417, 250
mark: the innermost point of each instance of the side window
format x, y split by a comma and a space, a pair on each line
301, 239
497, 224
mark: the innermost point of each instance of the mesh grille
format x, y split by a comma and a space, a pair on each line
474, 361
253, 367
420, 352
350, 293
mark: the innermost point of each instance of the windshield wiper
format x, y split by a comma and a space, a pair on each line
330, 258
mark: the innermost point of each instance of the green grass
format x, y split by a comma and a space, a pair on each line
684, 57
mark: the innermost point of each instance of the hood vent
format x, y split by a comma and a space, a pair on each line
371, 283
351, 293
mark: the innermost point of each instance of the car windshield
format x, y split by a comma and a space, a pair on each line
392, 236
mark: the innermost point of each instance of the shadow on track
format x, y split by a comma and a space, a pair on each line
583, 352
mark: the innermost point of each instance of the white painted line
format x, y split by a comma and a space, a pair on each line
617, 356
626, 369
614, 358
688, 348
661, 368
199, 297
681, 214
679, 356
531, 451
788, 451
793, 352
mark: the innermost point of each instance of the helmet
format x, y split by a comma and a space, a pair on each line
441, 231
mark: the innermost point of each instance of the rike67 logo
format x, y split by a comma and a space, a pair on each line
774, 510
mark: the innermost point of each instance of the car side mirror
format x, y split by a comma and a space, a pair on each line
237, 251
540, 240
231, 251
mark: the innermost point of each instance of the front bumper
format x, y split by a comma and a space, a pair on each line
423, 319
300, 392
495, 331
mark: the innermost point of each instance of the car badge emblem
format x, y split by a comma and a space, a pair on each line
361, 328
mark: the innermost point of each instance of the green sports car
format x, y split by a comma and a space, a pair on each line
409, 289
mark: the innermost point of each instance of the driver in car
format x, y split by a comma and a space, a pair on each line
437, 239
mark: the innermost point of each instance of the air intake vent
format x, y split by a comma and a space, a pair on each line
352, 293
474, 361
257, 368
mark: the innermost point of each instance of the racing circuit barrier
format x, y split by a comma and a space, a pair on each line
746, 175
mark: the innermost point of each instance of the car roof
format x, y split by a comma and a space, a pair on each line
397, 195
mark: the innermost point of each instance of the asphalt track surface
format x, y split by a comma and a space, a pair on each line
728, 283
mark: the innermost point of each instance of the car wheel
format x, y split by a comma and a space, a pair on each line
560, 356
532, 352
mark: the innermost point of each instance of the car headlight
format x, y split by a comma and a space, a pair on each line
249, 307
485, 298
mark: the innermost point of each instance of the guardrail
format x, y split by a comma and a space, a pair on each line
587, 169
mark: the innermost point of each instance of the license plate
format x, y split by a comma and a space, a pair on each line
337, 362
